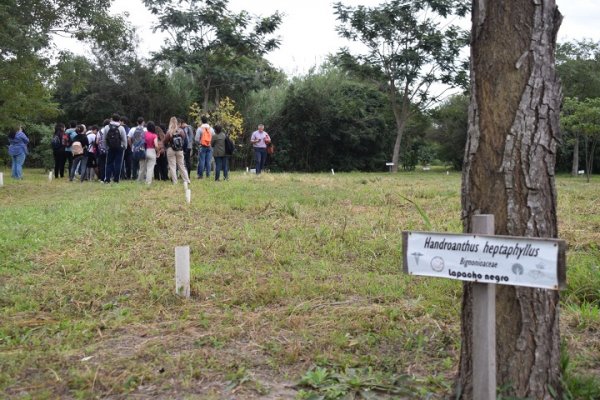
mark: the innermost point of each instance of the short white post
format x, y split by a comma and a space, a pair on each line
50, 176
188, 196
247, 169
484, 325
1, 179
182, 271
332, 172
185, 186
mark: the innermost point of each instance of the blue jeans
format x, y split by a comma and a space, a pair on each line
17, 165
204, 161
78, 164
260, 155
221, 162
114, 160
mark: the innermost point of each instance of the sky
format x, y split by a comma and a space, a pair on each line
308, 33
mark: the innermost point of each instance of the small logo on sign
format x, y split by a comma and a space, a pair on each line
535, 274
540, 266
437, 264
417, 255
517, 269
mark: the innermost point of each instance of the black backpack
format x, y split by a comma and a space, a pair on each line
56, 142
113, 137
229, 146
177, 141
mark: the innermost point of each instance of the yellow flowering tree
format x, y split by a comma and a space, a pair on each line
225, 115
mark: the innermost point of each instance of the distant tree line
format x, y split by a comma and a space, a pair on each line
354, 112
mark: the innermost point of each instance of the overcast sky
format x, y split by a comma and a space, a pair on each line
308, 29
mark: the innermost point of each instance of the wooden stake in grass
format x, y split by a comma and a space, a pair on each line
182, 271
188, 196
50, 176
332, 172
185, 186
1, 179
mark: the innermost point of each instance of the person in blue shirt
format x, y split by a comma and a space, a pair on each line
17, 149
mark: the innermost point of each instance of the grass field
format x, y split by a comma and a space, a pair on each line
297, 290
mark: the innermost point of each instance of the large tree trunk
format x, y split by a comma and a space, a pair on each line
575, 166
509, 172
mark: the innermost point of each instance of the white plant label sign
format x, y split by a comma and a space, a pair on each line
506, 260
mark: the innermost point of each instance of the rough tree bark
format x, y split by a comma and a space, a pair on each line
509, 172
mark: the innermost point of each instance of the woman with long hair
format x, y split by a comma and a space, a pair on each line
58, 150
146, 171
17, 150
176, 141
161, 171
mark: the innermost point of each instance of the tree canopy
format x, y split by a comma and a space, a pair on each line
408, 50
223, 50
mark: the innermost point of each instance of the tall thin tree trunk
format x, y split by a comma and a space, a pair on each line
589, 157
509, 172
207, 85
401, 114
575, 167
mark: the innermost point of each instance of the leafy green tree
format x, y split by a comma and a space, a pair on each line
409, 49
330, 121
583, 118
26, 32
91, 91
578, 65
222, 50
449, 129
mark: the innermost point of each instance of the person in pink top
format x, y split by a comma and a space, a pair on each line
147, 164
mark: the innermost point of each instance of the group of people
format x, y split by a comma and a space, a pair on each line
147, 151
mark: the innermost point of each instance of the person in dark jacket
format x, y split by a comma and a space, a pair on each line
218, 149
58, 150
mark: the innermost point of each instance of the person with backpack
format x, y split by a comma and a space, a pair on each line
204, 135
134, 138
127, 163
17, 150
219, 151
176, 141
79, 150
90, 158
187, 152
260, 139
101, 152
114, 139
58, 150
147, 163
67, 141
